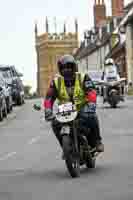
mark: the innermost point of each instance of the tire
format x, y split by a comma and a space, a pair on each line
23, 101
1, 115
73, 166
19, 101
11, 108
114, 100
7, 105
114, 105
91, 163
8, 109
5, 112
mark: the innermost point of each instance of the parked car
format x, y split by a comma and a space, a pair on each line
17, 92
7, 93
13, 79
3, 108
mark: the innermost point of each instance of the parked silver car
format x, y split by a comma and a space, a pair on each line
13, 79
7, 92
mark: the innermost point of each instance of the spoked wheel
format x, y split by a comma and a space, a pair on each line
73, 165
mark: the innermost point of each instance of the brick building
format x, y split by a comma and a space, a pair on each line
49, 47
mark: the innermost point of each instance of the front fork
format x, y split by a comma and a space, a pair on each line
75, 140
66, 130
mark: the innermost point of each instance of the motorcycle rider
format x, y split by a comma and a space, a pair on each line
110, 73
73, 86
109, 63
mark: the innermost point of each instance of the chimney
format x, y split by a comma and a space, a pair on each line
117, 8
99, 12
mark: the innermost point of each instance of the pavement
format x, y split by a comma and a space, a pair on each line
30, 158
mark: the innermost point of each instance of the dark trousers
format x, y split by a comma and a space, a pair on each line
86, 122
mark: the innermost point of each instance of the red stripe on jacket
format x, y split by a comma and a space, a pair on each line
91, 96
47, 104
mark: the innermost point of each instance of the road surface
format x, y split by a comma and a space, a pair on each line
30, 159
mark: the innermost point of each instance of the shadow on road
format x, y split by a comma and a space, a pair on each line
118, 107
55, 175
49, 174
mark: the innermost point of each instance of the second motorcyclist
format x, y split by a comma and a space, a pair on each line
110, 73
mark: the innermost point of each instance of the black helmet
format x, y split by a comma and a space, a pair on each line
67, 65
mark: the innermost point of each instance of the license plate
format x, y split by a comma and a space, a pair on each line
65, 130
92, 107
65, 107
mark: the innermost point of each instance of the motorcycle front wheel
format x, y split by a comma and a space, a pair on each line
73, 164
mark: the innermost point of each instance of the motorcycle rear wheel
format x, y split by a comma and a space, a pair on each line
114, 101
91, 163
113, 104
73, 165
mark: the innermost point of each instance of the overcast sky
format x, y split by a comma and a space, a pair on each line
17, 19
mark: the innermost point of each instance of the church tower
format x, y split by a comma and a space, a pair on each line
49, 47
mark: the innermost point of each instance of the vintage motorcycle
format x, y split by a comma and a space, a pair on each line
113, 91
77, 151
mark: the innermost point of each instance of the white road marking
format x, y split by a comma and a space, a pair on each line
34, 140
9, 155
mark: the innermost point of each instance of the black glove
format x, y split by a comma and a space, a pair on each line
48, 114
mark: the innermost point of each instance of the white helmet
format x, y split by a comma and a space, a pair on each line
109, 61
